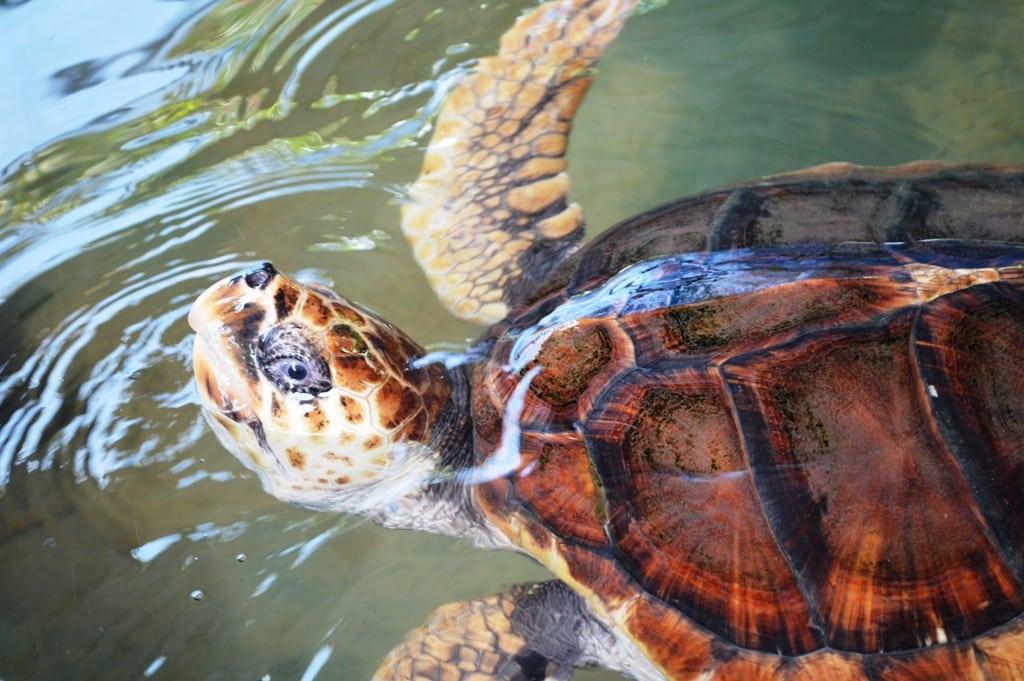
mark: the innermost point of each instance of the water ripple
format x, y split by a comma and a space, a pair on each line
61, 398
100, 223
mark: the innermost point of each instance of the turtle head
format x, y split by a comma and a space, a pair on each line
313, 393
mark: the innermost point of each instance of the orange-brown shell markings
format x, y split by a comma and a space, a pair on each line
724, 326
828, 467
555, 480
876, 517
826, 664
562, 392
949, 662
684, 513
684, 650
576, 362
569, 360
686, 427
965, 344
1002, 652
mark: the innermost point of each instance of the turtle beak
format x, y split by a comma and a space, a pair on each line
213, 382
228, 318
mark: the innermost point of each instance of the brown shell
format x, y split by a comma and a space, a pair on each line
799, 462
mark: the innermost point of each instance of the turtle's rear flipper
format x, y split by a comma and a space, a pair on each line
489, 217
529, 633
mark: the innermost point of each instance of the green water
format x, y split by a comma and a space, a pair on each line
149, 147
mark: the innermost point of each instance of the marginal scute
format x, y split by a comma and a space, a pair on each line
744, 668
674, 643
825, 664
779, 468
957, 662
1001, 652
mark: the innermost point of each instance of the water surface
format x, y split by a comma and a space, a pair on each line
149, 147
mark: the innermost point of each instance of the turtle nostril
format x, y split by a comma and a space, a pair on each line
260, 276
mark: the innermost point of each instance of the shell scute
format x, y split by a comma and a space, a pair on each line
724, 326
964, 344
564, 493
785, 466
569, 360
870, 507
683, 511
575, 363
948, 662
1002, 653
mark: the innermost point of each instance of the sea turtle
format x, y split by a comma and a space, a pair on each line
772, 431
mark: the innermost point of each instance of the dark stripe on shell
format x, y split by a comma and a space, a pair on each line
734, 224
963, 345
887, 540
682, 552
965, 202
906, 214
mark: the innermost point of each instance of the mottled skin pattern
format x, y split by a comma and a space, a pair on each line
497, 637
310, 449
488, 215
465, 636
767, 432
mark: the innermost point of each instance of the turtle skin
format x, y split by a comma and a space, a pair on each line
774, 431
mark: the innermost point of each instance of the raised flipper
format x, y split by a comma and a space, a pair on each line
536, 632
489, 217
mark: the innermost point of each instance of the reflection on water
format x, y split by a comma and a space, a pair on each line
152, 147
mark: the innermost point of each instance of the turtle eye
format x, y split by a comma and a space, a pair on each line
288, 359
298, 375
295, 369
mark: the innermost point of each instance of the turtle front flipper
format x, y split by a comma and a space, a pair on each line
489, 217
535, 632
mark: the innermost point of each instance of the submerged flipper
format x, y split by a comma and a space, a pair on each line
535, 632
489, 215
